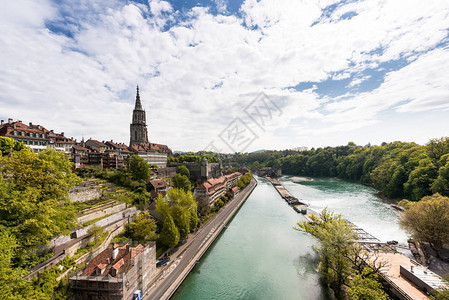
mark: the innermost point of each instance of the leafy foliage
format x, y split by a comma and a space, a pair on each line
182, 170
33, 197
244, 180
428, 220
398, 169
181, 182
341, 258
181, 206
139, 168
442, 293
34, 207
8, 145
169, 235
142, 229
366, 287
192, 158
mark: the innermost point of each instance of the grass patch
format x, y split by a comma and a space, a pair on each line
95, 220
80, 206
89, 247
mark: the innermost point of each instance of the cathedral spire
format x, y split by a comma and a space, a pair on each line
138, 127
138, 105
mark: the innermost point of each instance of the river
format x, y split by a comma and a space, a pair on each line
260, 256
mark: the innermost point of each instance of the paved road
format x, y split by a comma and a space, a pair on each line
181, 259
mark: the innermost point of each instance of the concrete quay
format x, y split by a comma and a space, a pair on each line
184, 259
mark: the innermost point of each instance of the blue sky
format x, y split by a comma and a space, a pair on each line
336, 71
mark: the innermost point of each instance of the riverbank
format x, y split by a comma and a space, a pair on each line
185, 258
258, 256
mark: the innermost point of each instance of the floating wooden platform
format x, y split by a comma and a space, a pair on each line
298, 206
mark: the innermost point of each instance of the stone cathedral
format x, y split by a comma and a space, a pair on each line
138, 127
154, 154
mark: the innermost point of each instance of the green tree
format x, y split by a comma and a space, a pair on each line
436, 148
182, 208
142, 229
441, 184
421, 179
34, 201
182, 170
442, 293
96, 232
181, 182
428, 221
139, 168
341, 258
193, 219
8, 145
169, 235
181, 217
335, 236
366, 288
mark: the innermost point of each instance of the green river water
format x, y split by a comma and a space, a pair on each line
260, 256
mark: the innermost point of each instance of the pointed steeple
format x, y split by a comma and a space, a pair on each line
138, 105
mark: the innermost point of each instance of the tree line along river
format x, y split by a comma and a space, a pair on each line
260, 256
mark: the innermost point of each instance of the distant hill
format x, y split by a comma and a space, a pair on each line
259, 151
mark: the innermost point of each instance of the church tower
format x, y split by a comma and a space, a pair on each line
138, 127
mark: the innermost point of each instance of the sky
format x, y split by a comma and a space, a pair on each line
229, 76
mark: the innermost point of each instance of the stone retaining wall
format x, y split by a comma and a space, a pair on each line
129, 212
106, 211
85, 195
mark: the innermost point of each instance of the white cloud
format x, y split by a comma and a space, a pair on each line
196, 75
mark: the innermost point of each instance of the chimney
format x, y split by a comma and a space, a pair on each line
114, 253
62, 133
3, 122
9, 120
31, 124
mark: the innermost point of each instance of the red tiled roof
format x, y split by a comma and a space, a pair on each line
233, 175
158, 183
7, 129
120, 146
211, 185
97, 143
79, 147
104, 260
149, 147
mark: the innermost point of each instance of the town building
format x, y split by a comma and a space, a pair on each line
116, 273
156, 187
212, 189
36, 137
138, 128
119, 150
204, 170
80, 155
154, 154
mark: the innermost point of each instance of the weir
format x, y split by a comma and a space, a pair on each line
298, 206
